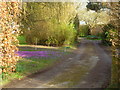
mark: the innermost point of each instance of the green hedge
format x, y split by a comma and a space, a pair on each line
22, 39
56, 35
83, 30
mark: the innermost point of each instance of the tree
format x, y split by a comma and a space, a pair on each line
93, 18
49, 23
96, 6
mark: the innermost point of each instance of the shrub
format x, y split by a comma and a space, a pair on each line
48, 23
21, 39
84, 30
58, 35
106, 34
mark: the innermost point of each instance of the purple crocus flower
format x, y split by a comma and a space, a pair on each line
37, 54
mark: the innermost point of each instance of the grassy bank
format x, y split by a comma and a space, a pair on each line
29, 65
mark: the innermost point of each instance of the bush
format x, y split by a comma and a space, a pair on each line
57, 35
49, 23
84, 30
21, 39
106, 34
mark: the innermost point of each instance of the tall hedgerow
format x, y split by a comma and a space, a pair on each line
9, 28
115, 39
116, 43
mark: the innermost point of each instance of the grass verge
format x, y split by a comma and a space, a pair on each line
26, 67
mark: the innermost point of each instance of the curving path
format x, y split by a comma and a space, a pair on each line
87, 67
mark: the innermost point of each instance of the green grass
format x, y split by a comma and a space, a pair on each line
26, 67
93, 37
21, 40
112, 87
31, 50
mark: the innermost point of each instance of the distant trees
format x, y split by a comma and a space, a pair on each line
49, 23
96, 6
94, 18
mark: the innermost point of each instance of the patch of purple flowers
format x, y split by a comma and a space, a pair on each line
37, 54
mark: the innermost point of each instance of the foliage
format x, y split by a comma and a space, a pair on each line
84, 30
92, 18
21, 39
116, 47
9, 12
59, 35
63, 34
49, 23
115, 36
106, 37
96, 6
